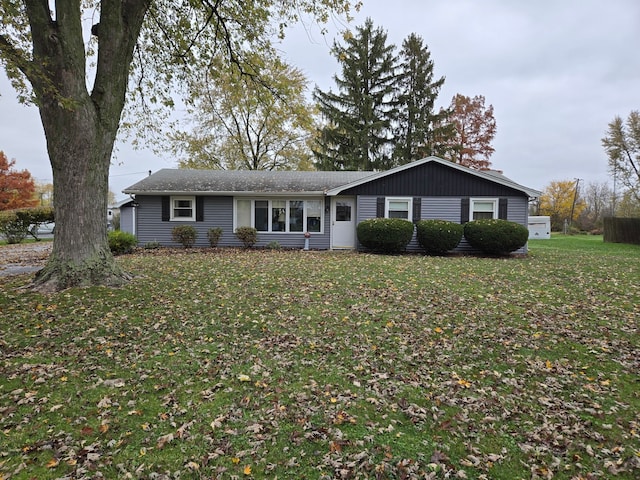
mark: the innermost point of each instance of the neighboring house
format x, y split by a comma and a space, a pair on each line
283, 205
125, 209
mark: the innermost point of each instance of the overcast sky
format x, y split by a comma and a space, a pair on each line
556, 72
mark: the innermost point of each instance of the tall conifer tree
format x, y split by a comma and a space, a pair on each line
420, 130
360, 116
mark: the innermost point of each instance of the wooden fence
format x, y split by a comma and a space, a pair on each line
622, 230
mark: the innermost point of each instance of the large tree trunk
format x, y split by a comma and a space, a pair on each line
80, 128
80, 153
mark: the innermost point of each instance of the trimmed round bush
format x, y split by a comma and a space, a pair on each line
184, 234
214, 234
121, 242
438, 236
389, 235
496, 237
247, 235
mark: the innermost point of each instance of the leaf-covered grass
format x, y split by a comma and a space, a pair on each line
288, 364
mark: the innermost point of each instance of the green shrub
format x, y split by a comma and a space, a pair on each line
15, 225
247, 235
438, 236
274, 245
389, 235
121, 242
214, 234
152, 245
184, 234
494, 236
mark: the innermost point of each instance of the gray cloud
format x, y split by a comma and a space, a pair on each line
556, 73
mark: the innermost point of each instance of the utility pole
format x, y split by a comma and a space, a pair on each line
573, 205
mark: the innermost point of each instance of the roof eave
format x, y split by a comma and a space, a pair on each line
217, 193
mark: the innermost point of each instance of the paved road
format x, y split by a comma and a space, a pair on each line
23, 258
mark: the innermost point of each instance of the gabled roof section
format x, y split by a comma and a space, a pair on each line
490, 175
220, 182
246, 182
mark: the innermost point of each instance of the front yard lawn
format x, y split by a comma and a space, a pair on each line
318, 365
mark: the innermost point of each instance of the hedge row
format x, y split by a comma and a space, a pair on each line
392, 235
15, 225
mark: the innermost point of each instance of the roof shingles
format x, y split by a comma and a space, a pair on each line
237, 181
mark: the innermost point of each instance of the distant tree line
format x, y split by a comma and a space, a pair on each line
574, 206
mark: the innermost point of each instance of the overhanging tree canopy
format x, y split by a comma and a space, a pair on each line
49, 53
240, 123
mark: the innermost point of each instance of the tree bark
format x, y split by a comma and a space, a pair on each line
80, 152
80, 128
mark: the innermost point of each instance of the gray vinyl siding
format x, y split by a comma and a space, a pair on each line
126, 219
218, 212
446, 208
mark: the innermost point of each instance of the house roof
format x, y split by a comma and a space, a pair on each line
237, 182
490, 175
183, 181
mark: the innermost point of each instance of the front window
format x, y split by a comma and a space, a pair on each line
296, 216
261, 208
314, 215
183, 208
398, 208
279, 215
482, 208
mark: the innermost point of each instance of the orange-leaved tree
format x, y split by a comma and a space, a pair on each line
560, 200
475, 127
17, 187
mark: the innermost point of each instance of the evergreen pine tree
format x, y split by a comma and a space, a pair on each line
360, 116
420, 130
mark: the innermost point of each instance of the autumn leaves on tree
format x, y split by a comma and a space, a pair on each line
17, 187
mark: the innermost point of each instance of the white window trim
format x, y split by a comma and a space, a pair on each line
473, 201
270, 201
173, 218
409, 201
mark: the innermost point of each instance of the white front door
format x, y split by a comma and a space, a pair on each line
343, 222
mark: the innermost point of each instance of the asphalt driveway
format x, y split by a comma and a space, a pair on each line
23, 257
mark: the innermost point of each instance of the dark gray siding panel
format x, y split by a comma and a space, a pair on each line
441, 208
126, 219
433, 180
446, 208
367, 208
218, 212
518, 210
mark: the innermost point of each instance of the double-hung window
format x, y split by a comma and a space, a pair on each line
398, 207
183, 209
279, 215
483, 208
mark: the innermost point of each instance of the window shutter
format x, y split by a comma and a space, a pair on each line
166, 209
199, 209
502, 208
464, 210
417, 209
380, 207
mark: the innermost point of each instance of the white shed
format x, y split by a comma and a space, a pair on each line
539, 227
